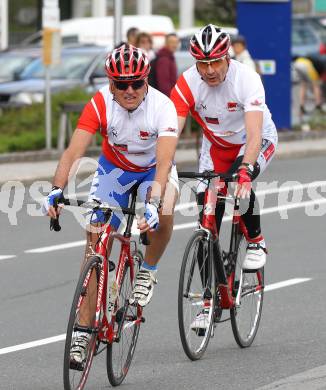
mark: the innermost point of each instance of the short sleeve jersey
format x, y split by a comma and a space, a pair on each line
220, 110
130, 137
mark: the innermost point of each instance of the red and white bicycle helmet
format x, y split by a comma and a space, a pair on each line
127, 62
209, 43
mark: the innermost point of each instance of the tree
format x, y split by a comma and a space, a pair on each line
217, 11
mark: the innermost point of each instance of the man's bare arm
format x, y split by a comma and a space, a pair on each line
181, 123
253, 123
165, 151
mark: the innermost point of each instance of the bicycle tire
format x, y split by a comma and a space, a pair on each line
116, 378
251, 281
81, 290
199, 236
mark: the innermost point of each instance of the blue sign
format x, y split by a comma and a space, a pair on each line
266, 25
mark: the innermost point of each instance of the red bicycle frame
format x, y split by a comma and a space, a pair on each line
225, 281
106, 329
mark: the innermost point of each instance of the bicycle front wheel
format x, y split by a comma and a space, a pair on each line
249, 288
126, 328
196, 297
75, 376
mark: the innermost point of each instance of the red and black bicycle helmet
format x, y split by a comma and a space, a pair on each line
209, 43
127, 62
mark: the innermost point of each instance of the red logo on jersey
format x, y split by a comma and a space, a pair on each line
212, 121
143, 134
232, 106
257, 103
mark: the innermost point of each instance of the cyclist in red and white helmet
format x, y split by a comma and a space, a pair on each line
139, 129
210, 43
227, 99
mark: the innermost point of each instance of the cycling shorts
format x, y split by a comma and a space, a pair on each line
114, 186
221, 160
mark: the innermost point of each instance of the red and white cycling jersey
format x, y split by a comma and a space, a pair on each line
129, 137
220, 110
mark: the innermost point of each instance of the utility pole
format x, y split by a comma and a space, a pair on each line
51, 56
144, 7
3, 24
99, 8
186, 13
118, 9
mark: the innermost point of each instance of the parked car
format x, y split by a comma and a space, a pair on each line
316, 22
306, 42
79, 67
13, 62
184, 60
99, 31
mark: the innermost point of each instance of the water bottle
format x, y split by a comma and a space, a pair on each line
112, 290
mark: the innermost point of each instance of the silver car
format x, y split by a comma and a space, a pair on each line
79, 67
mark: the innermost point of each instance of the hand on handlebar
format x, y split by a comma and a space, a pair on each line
151, 219
243, 186
50, 202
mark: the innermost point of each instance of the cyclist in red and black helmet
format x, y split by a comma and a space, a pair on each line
139, 128
127, 63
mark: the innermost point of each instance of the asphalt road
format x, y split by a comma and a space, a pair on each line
37, 289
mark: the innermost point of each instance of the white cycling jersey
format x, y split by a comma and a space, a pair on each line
129, 137
220, 110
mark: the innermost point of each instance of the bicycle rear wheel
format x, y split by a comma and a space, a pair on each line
196, 296
121, 351
75, 376
249, 287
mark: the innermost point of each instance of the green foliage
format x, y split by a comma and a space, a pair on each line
219, 12
24, 128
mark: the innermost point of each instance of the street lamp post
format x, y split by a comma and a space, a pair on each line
144, 7
118, 7
3, 24
186, 12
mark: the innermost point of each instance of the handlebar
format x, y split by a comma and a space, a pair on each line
208, 175
95, 205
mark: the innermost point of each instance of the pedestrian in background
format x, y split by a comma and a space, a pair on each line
241, 52
132, 33
145, 42
164, 67
309, 77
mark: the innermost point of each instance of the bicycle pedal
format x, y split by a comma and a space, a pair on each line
251, 271
200, 332
76, 365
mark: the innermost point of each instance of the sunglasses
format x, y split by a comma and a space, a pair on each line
123, 85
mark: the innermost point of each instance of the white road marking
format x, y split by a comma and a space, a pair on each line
182, 226
313, 379
32, 344
269, 191
7, 257
268, 210
57, 247
286, 283
61, 337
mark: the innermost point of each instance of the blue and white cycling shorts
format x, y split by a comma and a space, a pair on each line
114, 186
